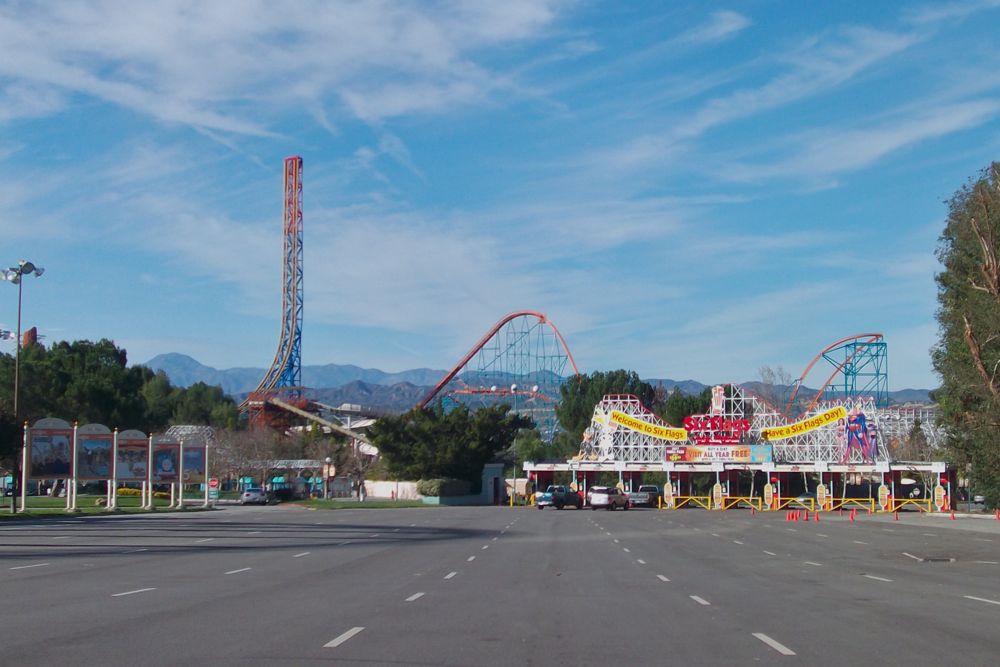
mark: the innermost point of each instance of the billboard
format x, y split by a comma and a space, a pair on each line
166, 462
49, 453
724, 453
93, 456
194, 464
132, 462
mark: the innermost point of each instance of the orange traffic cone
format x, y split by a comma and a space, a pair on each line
816, 516
953, 515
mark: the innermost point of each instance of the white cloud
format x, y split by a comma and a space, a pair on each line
720, 26
227, 67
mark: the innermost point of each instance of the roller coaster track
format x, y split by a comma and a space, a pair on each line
481, 344
857, 349
277, 402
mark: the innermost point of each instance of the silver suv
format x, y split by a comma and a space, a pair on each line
253, 496
608, 497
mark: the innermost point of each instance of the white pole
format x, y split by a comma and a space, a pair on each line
147, 502
180, 476
113, 489
24, 466
71, 497
206, 476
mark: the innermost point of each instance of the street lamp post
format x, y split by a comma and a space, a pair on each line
513, 476
15, 274
326, 478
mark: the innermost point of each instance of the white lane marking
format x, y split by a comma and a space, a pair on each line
616, 540
415, 596
973, 597
701, 601
494, 539
485, 546
25, 567
860, 542
640, 561
889, 530
333, 643
792, 530
777, 646
340, 544
627, 550
737, 542
254, 532
988, 562
64, 537
821, 535
929, 534
135, 551
450, 575
715, 534
206, 539
242, 569
809, 562
139, 590
872, 576
304, 553
470, 559
413, 525
982, 539
503, 531
662, 578
770, 553
374, 535
916, 558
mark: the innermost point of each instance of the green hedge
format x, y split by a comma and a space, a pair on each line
443, 487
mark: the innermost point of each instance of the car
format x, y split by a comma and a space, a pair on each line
254, 496
558, 497
646, 496
608, 497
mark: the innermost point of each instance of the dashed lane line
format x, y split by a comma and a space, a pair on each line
872, 576
860, 542
470, 559
204, 539
737, 542
821, 535
334, 643
777, 646
700, 600
916, 558
485, 547
138, 590
304, 553
242, 569
809, 562
770, 553
640, 561
135, 551
25, 567
627, 550
973, 597
415, 596
450, 575
662, 578
988, 562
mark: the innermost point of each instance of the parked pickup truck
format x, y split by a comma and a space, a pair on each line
646, 496
558, 497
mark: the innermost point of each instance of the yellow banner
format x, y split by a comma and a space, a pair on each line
661, 432
804, 426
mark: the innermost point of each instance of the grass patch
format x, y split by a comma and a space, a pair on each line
46, 506
337, 504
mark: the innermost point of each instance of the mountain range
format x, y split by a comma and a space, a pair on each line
335, 384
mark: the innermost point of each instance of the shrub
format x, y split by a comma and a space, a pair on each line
128, 491
443, 487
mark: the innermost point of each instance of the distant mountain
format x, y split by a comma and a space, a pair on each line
334, 384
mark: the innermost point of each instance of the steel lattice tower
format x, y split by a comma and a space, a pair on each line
286, 369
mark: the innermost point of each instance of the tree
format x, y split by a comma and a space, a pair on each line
680, 405
431, 443
967, 355
581, 393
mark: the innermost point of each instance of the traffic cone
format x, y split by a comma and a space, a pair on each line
895, 516
996, 515
953, 515
853, 511
816, 516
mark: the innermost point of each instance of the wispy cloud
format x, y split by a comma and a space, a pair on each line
720, 26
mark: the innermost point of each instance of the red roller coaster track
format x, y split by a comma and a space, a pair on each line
485, 339
864, 339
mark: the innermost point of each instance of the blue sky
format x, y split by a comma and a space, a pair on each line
688, 190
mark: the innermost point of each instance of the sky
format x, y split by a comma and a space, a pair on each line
686, 189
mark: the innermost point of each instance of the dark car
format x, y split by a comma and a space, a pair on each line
608, 497
558, 497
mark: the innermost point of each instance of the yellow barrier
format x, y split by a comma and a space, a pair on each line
705, 502
922, 504
862, 503
734, 501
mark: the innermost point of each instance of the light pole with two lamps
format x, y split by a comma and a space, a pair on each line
16, 274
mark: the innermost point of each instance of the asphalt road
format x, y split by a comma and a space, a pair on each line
498, 586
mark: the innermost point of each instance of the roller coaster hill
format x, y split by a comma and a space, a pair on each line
750, 453
845, 433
